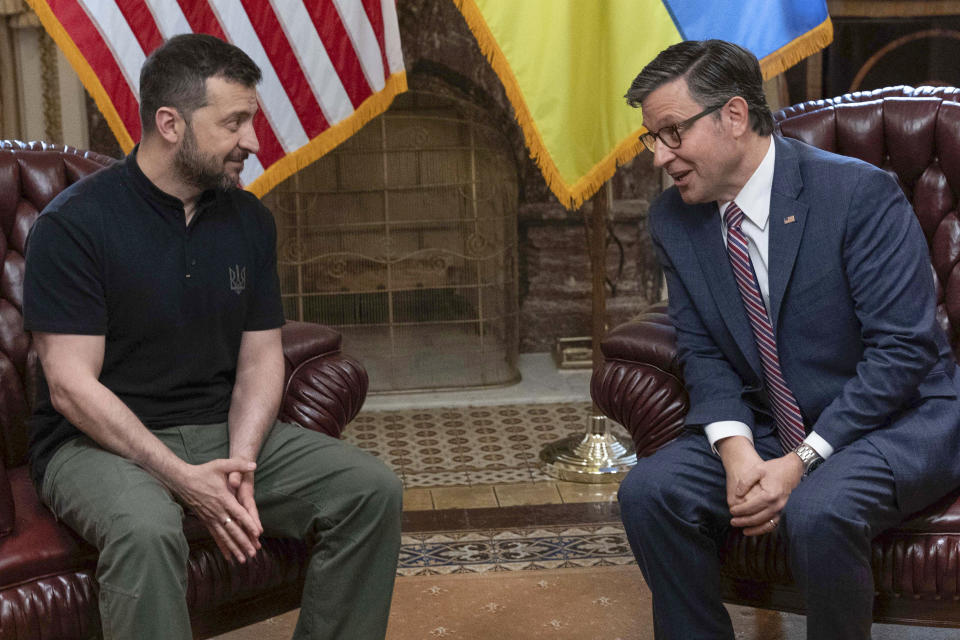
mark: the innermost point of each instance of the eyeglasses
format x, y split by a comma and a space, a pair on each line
670, 135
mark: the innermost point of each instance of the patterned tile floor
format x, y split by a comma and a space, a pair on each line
472, 459
466, 446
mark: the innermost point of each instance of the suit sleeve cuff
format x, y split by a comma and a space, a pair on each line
819, 445
717, 431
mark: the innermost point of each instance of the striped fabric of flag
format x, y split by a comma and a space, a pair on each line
329, 66
566, 64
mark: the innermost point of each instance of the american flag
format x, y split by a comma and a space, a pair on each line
329, 66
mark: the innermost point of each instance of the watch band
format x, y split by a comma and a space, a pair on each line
809, 457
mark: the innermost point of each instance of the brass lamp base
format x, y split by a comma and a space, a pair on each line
596, 456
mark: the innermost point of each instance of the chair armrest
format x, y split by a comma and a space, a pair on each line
325, 388
638, 383
7, 512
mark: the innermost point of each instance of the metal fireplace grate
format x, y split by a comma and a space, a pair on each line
404, 238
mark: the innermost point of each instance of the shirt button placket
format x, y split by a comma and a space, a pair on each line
189, 262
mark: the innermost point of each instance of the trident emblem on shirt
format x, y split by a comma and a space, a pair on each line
238, 279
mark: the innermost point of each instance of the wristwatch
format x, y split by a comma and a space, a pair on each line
809, 457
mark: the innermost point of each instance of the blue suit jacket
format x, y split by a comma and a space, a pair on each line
852, 305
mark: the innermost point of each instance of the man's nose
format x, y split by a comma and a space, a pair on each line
662, 154
248, 139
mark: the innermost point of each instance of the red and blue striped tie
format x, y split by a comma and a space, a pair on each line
786, 411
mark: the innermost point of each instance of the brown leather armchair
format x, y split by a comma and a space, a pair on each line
914, 134
47, 584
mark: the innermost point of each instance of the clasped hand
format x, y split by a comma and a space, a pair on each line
757, 489
220, 493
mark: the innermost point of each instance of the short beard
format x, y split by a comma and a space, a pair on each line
199, 170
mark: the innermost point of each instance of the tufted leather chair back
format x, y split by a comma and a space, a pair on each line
31, 175
913, 133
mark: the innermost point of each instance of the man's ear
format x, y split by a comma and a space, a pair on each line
737, 114
167, 120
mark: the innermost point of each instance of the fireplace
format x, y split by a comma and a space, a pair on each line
404, 238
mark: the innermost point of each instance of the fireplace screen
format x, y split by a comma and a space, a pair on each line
404, 238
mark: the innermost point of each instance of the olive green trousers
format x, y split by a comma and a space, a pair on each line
344, 503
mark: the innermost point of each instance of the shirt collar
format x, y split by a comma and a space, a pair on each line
754, 197
145, 186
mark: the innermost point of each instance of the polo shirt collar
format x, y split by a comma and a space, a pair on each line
143, 184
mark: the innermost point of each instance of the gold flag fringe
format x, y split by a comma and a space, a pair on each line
329, 139
572, 196
797, 49
272, 175
83, 69
541, 156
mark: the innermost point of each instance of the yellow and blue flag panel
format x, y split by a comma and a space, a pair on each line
566, 64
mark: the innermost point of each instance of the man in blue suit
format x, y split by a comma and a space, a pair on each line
823, 396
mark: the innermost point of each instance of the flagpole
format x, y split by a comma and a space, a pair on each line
597, 243
596, 455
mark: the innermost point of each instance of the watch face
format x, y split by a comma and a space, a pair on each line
813, 465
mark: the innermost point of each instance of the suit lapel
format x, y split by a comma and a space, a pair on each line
788, 217
703, 226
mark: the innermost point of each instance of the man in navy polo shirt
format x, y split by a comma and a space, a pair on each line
152, 293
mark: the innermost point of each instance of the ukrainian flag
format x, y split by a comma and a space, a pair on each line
565, 65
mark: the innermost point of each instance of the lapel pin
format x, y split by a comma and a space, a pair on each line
789, 219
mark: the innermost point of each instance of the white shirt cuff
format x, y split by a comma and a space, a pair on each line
716, 431
819, 445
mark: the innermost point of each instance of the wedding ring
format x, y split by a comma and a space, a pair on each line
773, 523
228, 520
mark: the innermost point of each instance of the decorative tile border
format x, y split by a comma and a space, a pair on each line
514, 549
497, 445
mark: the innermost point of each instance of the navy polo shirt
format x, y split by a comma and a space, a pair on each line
111, 256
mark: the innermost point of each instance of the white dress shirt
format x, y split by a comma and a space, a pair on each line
754, 201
